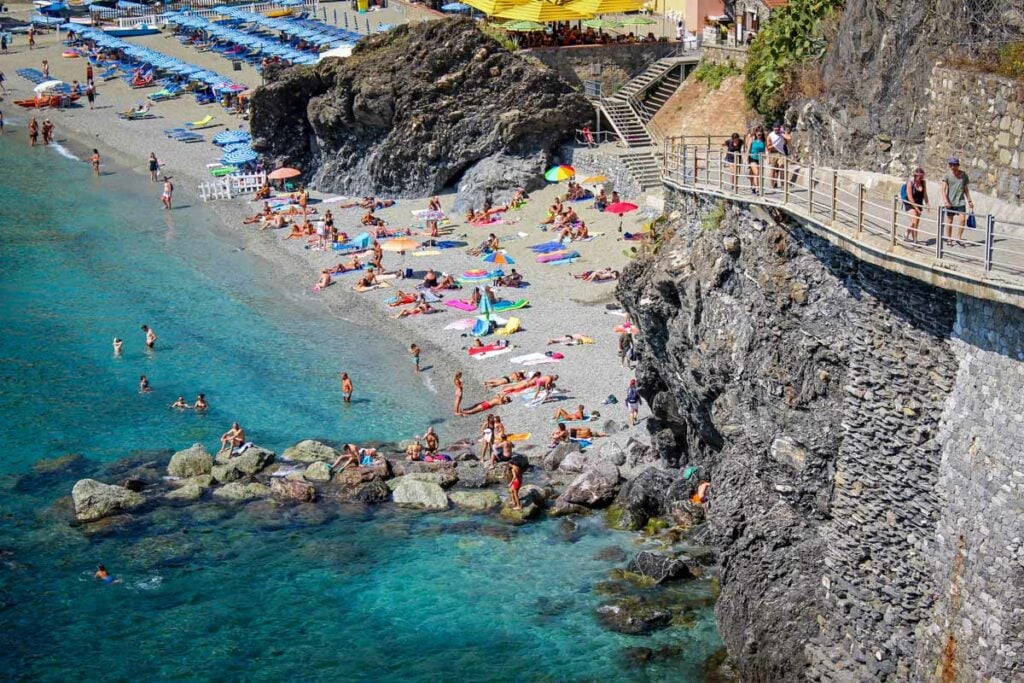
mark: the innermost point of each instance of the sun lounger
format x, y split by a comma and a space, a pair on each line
205, 122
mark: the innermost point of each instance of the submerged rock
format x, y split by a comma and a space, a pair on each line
203, 481
190, 462
317, 471
659, 568
239, 491
424, 495
633, 616
413, 110
292, 490
186, 493
95, 500
310, 451
475, 500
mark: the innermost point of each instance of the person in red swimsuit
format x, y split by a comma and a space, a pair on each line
513, 486
484, 406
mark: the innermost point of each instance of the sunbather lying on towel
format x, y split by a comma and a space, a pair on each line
446, 282
572, 340
602, 275
277, 221
484, 406
266, 214
353, 264
403, 298
300, 231
514, 378
374, 203
562, 434
487, 246
421, 307
563, 414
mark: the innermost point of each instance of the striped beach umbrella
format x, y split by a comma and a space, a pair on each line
557, 174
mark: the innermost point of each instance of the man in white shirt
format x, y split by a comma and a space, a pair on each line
778, 150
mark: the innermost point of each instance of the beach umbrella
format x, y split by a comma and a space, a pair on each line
455, 7
283, 173
594, 180
557, 174
522, 26
601, 23
499, 258
620, 208
400, 244
595, 7
492, 7
637, 20
539, 10
47, 85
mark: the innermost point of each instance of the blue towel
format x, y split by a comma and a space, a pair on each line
545, 248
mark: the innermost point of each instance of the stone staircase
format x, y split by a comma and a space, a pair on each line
644, 163
627, 122
660, 94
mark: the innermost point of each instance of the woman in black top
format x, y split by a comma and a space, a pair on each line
733, 158
915, 197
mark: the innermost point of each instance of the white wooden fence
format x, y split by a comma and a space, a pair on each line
231, 186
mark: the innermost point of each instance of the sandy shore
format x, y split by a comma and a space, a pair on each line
559, 304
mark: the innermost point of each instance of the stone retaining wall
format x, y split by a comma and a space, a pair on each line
594, 161
979, 118
617, 63
724, 54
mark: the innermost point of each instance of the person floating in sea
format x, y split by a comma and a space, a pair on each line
415, 351
346, 388
103, 575
201, 403
515, 482
150, 336
144, 387
232, 439
168, 193
118, 344
181, 403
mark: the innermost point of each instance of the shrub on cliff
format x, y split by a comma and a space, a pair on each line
792, 35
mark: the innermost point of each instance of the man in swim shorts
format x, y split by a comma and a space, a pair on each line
415, 351
150, 336
346, 388
431, 441
484, 406
232, 439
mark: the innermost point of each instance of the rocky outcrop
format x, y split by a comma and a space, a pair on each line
318, 471
809, 389
310, 451
659, 568
292, 490
414, 110
95, 500
425, 495
239, 491
595, 487
189, 493
190, 462
234, 467
475, 500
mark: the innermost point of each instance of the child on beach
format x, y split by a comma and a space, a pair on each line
415, 351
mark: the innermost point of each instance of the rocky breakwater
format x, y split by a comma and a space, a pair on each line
414, 110
831, 407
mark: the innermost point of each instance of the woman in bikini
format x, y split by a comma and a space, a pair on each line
324, 282
514, 484
458, 392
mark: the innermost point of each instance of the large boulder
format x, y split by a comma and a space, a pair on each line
95, 500
238, 491
531, 500
317, 471
633, 616
659, 568
574, 461
643, 497
554, 457
595, 487
425, 495
415, 109
475, 500
310, 451
190, 462
368, 493
283, 489
443, 478
188, 493
233, 468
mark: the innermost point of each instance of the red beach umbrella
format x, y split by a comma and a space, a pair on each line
620, 208
283, 173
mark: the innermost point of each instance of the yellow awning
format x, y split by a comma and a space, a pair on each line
490, 7
539, 10
596, 7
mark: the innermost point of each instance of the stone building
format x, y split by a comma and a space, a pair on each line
750, 15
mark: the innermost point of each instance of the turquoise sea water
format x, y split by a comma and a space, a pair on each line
252, 592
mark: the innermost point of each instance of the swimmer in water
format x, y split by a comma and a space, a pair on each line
117, 346
150, 336
346, 388
201, 403
103, 575
180, 403
144, 385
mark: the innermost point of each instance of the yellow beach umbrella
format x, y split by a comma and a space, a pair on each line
595, 7
491, 7
400, 244
538, 10
594, 180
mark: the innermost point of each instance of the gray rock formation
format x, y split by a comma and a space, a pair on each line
425, 495
414, 110
596, 486
553, 458
442, 477
292, 490
659, 568
318, 471
240, 491
188, 493
310, 451
233, 468
644, 497
190, 462
475, 500
95, 500
846, 418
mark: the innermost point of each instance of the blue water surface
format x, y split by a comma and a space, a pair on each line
255, 592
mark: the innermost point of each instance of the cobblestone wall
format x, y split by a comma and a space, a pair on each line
616, 64
595, 161
979, 118
876, 508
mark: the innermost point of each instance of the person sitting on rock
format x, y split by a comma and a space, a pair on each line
232, 439
414, 451
431, 442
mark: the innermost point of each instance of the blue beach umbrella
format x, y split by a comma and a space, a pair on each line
455, 7
499, 258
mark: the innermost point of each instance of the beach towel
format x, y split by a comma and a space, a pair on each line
379, 285
449, 244
512, 326
527, 357
503, 305
542, 361
464, 324
480, 328
571, 258
546, 247
491, 354
426, 252
552, 256
521, 436
460, 304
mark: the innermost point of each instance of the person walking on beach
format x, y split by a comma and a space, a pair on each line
632, 402
90, 95
31, 36
150, 336
47, 131
3, 42
95, 159
168, 193
89, 74
458, 393
415, 351
33, 131
46, 69
955, 190
346, 388
154, 167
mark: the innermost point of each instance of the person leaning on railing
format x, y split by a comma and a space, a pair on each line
914, 195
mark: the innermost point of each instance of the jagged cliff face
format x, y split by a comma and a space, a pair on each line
414, 109
875, 74
827, 402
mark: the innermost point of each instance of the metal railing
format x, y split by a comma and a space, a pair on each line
926, 233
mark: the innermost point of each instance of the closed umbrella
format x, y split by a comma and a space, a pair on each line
48, 85
283, 173
557, 174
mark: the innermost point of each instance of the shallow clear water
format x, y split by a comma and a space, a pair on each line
253, 592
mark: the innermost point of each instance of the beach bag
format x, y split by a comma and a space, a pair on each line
972, 223
903, 193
